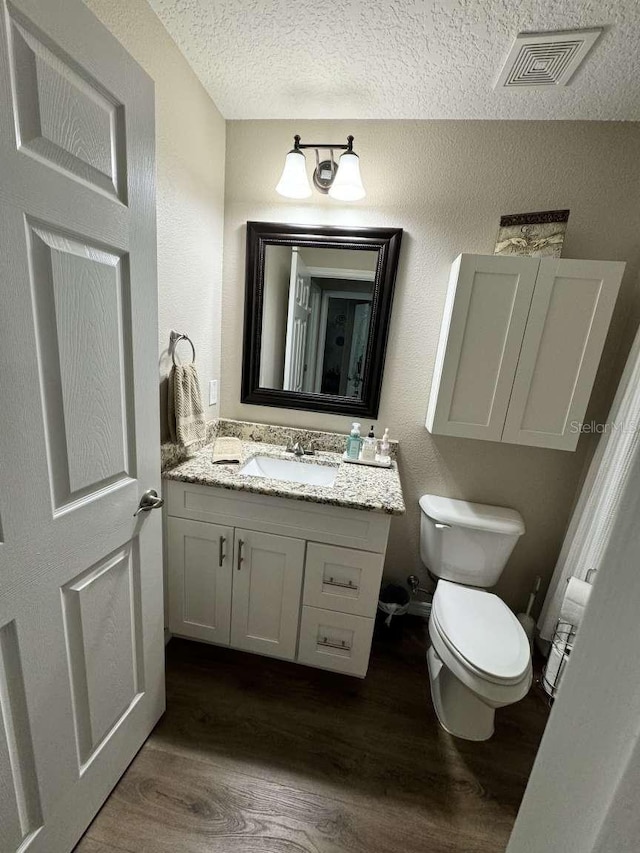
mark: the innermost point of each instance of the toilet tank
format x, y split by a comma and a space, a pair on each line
465, 542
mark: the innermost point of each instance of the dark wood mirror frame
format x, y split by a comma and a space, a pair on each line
262, 234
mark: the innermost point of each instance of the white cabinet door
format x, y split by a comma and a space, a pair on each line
568, 323
485, 315
200, 576
267, 586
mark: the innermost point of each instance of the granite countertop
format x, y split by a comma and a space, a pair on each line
355, 486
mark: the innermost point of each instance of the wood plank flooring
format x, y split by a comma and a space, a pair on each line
261, 756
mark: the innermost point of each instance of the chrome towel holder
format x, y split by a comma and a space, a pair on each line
174, 340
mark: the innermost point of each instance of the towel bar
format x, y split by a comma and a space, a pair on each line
174, 340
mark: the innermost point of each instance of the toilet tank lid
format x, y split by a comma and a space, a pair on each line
493, 519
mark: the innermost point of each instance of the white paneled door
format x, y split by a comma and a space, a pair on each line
81, 627
298, 314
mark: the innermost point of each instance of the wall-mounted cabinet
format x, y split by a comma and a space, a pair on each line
519, 347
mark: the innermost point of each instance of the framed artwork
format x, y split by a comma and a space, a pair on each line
539, 234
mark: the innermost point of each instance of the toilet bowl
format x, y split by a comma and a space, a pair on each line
479, 658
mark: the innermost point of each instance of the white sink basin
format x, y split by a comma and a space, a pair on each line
290, 470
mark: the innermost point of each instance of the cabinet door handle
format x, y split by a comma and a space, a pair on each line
221, 554
240, 557
341, 584
334, 644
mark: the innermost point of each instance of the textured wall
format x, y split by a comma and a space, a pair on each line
190, 134
446, 183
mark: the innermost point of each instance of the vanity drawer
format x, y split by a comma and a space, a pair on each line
342, 579
337, 641
351, 528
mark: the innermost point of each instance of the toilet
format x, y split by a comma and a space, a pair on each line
479, 658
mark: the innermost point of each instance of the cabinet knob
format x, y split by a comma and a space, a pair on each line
221, 554
240, 557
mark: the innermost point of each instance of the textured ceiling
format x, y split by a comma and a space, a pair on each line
392, 59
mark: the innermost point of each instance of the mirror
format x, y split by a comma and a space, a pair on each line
318, 304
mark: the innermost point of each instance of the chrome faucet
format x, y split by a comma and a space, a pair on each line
298, 450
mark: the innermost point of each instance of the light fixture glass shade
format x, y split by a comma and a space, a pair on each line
347, 185
294, 182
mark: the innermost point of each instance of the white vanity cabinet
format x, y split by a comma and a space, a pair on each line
286, 578
519, 347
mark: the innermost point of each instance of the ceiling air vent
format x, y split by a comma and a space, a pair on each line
546, 59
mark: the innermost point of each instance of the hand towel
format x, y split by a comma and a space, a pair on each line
187, 425
226, 450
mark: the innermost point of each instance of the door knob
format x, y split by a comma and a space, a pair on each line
149, 501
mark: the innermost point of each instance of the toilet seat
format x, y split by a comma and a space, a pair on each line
482, 633
493, 694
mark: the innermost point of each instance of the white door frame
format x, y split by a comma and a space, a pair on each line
340, 272
583, 793
311, 356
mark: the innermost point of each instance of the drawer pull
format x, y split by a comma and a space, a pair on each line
240, 557
221, 554
342, 584
332, 644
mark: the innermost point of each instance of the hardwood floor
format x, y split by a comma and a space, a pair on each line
261, 756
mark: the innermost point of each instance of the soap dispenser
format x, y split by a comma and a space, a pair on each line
384, 449
354, 442
369, 447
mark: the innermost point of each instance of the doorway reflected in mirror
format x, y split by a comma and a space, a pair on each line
316, 319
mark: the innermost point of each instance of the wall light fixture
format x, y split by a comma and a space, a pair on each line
340, 180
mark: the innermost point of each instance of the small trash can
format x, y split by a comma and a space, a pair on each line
393, 604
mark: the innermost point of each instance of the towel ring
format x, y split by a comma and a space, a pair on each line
174, 340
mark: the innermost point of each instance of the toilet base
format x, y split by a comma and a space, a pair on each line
459, 711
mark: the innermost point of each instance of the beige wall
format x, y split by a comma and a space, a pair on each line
446, 184
190, 134
277, 275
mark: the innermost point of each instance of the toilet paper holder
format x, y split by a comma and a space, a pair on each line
589, 575
561, 647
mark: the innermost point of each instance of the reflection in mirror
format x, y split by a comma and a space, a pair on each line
316, 319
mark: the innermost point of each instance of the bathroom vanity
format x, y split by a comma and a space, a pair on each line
278, 567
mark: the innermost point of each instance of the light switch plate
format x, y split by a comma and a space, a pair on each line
213, 392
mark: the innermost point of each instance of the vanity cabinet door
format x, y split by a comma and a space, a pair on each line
267, 586
200, 579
